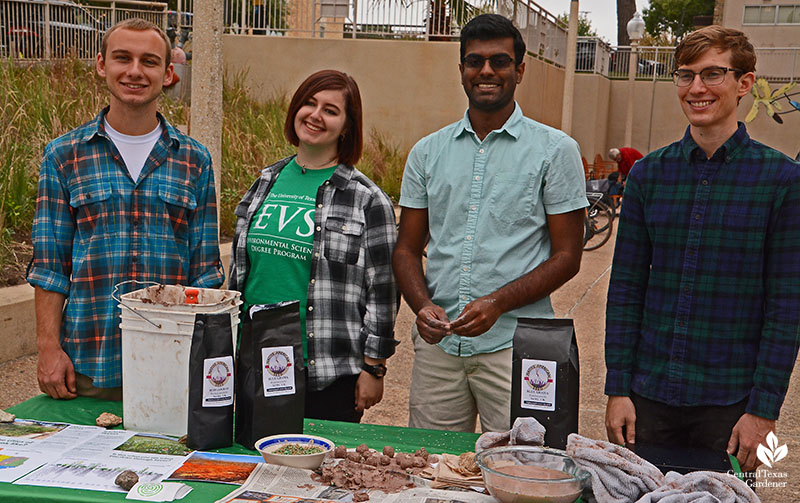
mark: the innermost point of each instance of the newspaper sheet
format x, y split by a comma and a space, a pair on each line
285, 484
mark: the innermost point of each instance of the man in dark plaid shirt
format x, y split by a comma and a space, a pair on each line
124, 197
703, 313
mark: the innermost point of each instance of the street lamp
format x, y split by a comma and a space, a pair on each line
635, 32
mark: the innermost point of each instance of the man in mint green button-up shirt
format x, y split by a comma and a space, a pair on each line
502, 198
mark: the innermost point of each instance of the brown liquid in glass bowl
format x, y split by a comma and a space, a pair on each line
517, 491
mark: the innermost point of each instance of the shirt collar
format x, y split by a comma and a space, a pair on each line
513, 125
729, 150
97, 128
340, 177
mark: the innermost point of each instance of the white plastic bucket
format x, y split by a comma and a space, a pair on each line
157, 327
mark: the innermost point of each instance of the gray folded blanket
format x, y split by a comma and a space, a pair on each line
701, 487
620, 476
525, 431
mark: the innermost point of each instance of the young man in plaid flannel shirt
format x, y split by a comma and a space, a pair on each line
124, 197
703, 310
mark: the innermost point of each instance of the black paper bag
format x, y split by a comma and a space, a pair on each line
211, 383
271, 384
545, 377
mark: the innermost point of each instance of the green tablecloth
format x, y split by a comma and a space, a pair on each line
85, 411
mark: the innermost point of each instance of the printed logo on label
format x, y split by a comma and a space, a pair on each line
538, 377
218, 374
278, 363
148, 489
771, 453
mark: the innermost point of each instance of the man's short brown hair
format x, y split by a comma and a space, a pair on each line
138, 24
691, 48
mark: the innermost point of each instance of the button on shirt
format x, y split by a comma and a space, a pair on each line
487, 205
704, 299
95, 227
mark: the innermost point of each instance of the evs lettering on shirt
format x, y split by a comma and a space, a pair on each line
281, 239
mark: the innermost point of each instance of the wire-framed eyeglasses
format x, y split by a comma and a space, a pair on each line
711, 76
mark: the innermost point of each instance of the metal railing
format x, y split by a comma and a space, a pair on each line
57, 29
776, 64
544, 35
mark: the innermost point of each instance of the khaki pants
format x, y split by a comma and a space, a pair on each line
448, 391
86, 388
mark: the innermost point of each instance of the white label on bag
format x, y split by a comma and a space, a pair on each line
218, 382
278, 366
538, 384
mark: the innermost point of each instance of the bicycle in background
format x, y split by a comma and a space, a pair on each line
598, 223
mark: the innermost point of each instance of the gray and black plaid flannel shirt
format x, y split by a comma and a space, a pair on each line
352, 297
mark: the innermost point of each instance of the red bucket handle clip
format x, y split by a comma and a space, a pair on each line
191, 295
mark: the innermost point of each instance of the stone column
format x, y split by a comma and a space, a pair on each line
205, 122
569, 71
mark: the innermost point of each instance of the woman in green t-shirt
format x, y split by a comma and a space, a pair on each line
315, 229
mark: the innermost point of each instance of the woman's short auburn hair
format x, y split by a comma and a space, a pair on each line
351, 142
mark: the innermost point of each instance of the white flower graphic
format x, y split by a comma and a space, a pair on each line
773, 453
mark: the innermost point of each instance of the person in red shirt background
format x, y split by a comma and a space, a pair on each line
624, 157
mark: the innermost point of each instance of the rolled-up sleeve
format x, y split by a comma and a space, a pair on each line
53, 231
381, 302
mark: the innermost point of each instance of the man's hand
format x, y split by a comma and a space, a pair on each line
477, 317
748, 432
621, 420
369, 391
433, 324
56, 374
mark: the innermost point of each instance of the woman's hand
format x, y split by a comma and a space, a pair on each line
369, 391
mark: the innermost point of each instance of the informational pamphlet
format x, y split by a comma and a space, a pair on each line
16, 463
217, 467
44, 437
25, 445
95, 464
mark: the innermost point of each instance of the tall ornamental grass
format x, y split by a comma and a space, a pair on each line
40, 103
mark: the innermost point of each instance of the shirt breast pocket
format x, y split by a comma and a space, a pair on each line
343, 240
511, 199
178, 207
91, 206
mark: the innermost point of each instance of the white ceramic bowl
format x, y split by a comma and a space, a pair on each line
268, 445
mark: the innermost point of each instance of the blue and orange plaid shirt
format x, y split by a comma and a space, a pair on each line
96, 227
704, 299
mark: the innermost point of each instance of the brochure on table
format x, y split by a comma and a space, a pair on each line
83, 457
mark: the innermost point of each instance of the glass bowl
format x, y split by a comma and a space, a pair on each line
268, 445
529, 474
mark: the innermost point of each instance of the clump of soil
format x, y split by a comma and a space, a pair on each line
367, 469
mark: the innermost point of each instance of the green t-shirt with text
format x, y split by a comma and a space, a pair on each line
281, 238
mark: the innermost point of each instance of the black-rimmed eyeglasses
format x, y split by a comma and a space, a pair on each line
711, 76
497, 61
